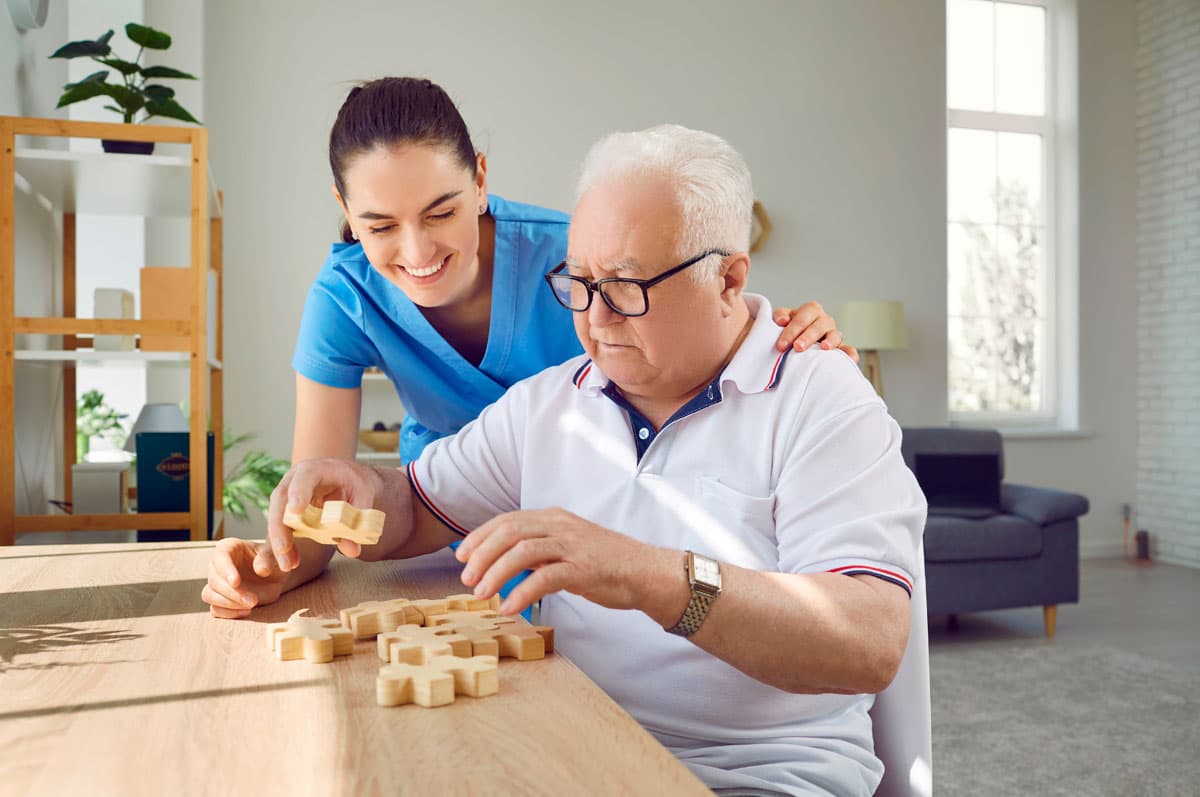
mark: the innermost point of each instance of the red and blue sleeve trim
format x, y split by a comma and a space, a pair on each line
878, 572
437, 513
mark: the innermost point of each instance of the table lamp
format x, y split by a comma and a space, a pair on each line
873, 327
156, 418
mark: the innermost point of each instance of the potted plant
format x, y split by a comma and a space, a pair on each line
135, 93
252, 480
94, 418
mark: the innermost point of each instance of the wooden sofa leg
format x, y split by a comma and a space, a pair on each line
1051, 615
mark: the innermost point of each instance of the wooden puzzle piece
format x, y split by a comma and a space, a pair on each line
310, 638
414, 644
336, 520
519, 641
428, 607
436, 682
371, 618
484, 618
469, 603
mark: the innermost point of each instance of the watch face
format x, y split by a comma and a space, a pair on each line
706, 571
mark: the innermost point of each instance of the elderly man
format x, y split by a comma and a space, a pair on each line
722, 535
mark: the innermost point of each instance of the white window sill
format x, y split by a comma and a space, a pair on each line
1015, 432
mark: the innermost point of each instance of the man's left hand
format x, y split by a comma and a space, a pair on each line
564, 551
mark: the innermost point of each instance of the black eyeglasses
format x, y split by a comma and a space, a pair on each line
623, 296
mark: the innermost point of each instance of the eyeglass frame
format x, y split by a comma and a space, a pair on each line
593, 287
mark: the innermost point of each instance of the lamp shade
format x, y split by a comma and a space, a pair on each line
873, 326
156, 418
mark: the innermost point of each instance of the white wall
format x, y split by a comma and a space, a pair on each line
1101, 463
839, 107
1168, 284
29, 86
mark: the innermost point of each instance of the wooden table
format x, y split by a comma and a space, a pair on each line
114, 679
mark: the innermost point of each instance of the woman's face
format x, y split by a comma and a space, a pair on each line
416, 211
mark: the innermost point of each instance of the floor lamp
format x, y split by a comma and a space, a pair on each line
873, 327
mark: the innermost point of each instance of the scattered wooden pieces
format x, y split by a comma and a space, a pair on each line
336, 520
309, 638
434, 648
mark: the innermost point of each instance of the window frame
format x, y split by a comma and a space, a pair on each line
1060, 268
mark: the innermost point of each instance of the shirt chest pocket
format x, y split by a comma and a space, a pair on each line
748, 518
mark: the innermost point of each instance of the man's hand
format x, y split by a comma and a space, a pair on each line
565, 552
316, 481
241, 575
809, 325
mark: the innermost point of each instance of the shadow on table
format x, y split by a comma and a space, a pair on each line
202, 694
15, 642
40, 607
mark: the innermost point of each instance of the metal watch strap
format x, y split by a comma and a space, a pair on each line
694, 614
703, 595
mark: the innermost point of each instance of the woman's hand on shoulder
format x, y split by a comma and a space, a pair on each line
809, 325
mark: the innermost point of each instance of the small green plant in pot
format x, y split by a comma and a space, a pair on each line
135, 93
94, 418
252, 481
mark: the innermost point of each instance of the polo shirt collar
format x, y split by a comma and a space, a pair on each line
757, 365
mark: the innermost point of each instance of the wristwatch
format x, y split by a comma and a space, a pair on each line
704, 578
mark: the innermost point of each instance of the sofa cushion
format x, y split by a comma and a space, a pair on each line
951, 539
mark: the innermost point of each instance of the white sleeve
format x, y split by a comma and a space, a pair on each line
470, 477
845, 500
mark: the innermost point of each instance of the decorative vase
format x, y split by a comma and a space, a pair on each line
128, 147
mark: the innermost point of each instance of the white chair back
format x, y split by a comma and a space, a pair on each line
901, 715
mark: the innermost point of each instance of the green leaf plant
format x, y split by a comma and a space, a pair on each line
94, 418
252, 481
135, 93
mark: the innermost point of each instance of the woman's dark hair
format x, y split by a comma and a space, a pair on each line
392, 111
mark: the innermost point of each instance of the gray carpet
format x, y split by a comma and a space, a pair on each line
1038, 718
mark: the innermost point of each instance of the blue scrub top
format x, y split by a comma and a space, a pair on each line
354, 318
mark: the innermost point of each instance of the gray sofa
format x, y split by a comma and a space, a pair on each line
1025, 555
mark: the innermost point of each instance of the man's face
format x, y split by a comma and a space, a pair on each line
629, 228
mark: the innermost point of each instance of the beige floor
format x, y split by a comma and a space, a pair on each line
1153, 610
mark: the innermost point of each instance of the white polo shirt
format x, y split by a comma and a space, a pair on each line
786, 463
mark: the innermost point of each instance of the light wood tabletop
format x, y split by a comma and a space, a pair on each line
114, 679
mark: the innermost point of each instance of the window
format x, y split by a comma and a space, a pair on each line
1002, 308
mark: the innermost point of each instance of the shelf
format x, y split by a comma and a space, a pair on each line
175, 183
375, 376
112, 184
90, 357
377, 456
144, 521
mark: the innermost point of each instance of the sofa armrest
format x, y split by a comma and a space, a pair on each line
1040, 505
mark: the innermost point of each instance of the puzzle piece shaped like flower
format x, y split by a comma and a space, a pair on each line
436, 682
336, 520
309, 638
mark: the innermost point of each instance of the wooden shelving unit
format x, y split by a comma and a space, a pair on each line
131, 185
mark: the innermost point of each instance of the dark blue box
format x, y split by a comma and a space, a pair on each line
164, 480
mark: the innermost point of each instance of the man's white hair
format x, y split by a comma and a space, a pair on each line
711, 181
